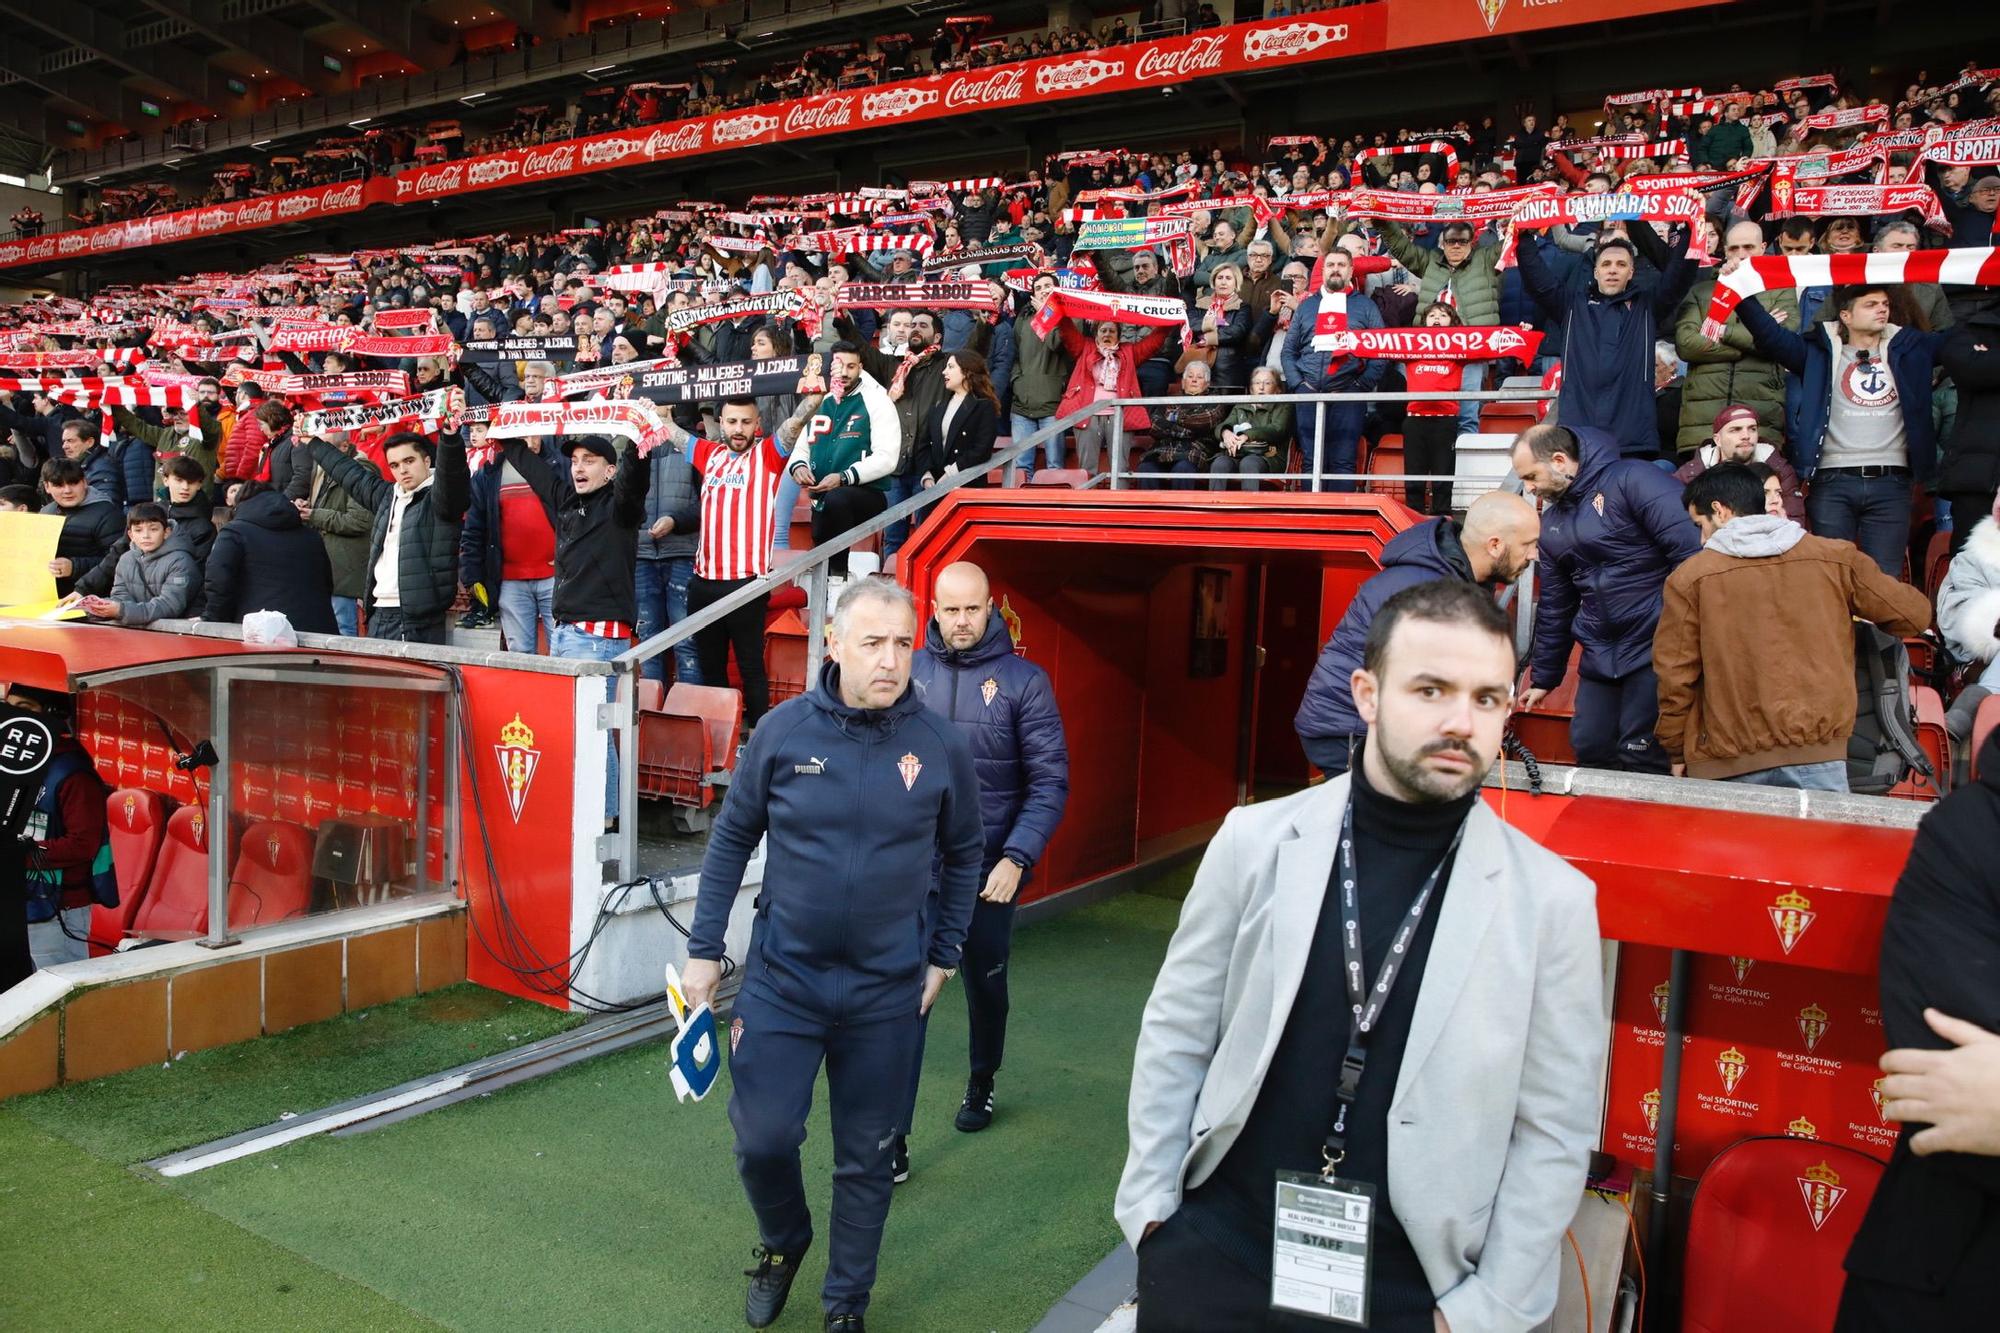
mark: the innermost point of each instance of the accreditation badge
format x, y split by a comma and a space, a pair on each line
1322, 1244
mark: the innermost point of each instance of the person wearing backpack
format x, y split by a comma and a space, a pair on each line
1748, 694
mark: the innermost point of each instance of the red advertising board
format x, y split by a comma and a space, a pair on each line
194, 224
1767, 1048
1428, 22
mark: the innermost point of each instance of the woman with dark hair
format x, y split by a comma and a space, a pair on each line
958, 433
1430, 427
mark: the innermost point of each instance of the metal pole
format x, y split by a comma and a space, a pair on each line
423, 791
626, 735
1663, 1138
451, 763
1319, 442
220, 781
1117, 444
816, 613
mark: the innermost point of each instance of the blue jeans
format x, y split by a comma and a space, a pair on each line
1343, 439
781, 512
901, 488
522, 603
569, 641
1871, 512
1471, 381
1828, 776
1052, 448
663, 602
1156, 474
347, 615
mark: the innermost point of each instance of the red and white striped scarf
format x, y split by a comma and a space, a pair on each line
964, 186
1392, 151
426, 408
1969, 267
423, 317
632, 419
1873, 114
1117, 307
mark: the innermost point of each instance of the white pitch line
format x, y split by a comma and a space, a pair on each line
306, 1129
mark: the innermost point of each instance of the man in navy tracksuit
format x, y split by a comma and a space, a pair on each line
1613, 530
968, 674
858, 786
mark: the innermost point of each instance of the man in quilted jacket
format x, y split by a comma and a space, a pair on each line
968, 672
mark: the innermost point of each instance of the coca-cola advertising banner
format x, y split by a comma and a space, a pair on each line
1766, 1048
1244, 48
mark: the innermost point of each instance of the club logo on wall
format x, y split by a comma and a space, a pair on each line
1012, 618
1662, 993
1490, 10
518, 760
1822, 1190
1791, 916
1802, 1128
1741, 967
1730, 1065
1876, 1096
1649, 1106
1812, 1026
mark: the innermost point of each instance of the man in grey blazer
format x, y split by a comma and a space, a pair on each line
1465, 1096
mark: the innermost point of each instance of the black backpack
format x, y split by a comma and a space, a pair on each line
1883, 749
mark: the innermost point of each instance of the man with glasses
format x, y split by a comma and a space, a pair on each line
1729, 370
1458, 273
1149, 278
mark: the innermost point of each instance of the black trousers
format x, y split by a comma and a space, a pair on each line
842, 508
989, 942
1430, 448
17, 963
741, 630
1613, 725
1966, 511
1186, 1285
388, 622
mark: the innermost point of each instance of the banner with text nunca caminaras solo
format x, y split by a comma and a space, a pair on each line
1767, 1048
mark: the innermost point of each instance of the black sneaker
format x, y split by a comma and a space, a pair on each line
479, 617
899, 1166
976, 1111
770, 1284
850, 1322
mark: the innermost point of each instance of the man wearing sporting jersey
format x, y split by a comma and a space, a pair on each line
739, 487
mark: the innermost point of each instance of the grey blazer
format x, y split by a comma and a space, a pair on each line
1498, 1101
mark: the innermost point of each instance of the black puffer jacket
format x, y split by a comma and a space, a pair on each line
427, 557
1971, 356
266, 559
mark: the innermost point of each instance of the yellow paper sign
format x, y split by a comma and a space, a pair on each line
27, 544
52, 609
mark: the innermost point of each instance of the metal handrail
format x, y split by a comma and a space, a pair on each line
813, 565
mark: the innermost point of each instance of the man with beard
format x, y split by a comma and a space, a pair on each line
849, 450
1735, 440
1307, 947
1612, 531
914, 378
1308, 370
1494, 545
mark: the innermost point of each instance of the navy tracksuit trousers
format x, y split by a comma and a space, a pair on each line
989, 940
1614, 721
774, 1059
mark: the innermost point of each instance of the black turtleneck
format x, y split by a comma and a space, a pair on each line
1396, 845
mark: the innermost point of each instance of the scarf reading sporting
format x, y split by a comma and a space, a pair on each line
309, 337
1461, 342
1399, 206
426, 407
554, 347
1117, 307
712, 383
1074, 279
632, 420
1390, 152
1647, 98
1874, 114
423, 318
1967, 267
983, 255
737, 245
915, 296
598, 379
793, 305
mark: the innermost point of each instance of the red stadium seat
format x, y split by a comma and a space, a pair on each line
176, 901
1983, 723
1937, 559
1771, 1219
272, 878
785, 657
1074, 477
1386, 459
137, 824
1544, 729
1935, 741
721, 712
652, 694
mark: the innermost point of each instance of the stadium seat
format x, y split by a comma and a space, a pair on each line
137, 823
1983, 723
1935, 741
1545, 728
176, 901
272, 878
674, 757
1771, 1220
1937, 560
720, 710
1386, 459
785, 657
1074, 477
652, 693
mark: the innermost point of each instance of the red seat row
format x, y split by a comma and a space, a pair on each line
687, 741
161, 861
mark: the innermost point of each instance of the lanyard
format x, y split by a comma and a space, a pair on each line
1365, 1003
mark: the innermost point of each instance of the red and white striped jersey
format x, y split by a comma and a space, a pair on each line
737, 494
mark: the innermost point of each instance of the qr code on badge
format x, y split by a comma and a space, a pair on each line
1346, 1305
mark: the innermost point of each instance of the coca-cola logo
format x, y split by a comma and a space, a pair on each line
832, 113
1294, 39
490, 171
257, 215
738, 129
896, 102
686, 139
1076, 74
297, 206
995, 89
1200, 56
556, 162
441, 181
346, 196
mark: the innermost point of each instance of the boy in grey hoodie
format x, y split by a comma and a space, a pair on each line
157, 576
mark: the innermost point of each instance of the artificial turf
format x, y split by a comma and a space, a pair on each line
208, 1095
591, 1200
